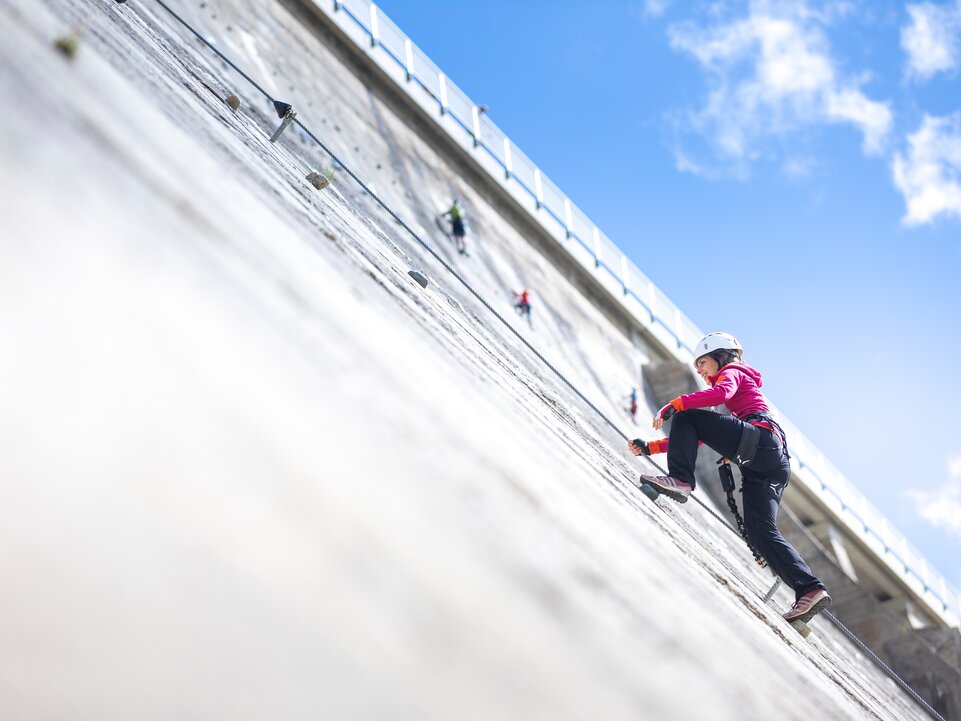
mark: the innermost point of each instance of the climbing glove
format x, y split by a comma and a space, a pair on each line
648, 448
670, 409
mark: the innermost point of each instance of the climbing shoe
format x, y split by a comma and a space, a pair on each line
808, 606
678, 490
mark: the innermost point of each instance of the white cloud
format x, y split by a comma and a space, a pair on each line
871, 117
942, 507
929, 176
655, 8
771, 74
932, 39
798, 167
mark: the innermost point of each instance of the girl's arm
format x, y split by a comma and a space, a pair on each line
641, 447
724, 388
725, 385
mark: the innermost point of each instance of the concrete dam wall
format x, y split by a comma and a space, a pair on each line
254, 470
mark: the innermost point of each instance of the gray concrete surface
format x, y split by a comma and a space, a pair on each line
252, 470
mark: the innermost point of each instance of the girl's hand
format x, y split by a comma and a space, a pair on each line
639, 447
666, 412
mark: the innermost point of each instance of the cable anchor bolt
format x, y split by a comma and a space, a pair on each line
287, 114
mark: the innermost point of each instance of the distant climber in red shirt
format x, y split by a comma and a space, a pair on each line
522, 304
751, 438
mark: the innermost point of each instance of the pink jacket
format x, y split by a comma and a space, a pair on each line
736, 385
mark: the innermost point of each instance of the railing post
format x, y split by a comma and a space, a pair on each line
568, 219
624, 272
652, 299
538, 188
596, 241
409, 57
475, 124
337, 5
508, 161
374, 28
442, 89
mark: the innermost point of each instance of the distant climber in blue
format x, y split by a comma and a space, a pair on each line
458, 225
633, 400
751, 438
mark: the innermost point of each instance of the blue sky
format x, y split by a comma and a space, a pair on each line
789, 171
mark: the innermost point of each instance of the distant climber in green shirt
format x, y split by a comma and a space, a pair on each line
458, 225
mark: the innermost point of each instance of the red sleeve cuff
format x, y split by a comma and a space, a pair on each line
658, 446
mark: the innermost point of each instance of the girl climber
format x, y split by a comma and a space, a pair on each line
751, 438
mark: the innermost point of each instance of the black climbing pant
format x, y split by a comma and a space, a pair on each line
763, 484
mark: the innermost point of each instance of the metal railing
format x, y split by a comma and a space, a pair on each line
657, 312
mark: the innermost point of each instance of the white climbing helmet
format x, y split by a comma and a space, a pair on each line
716, 341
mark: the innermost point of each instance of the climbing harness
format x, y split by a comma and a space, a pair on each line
776, 429
747, 446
